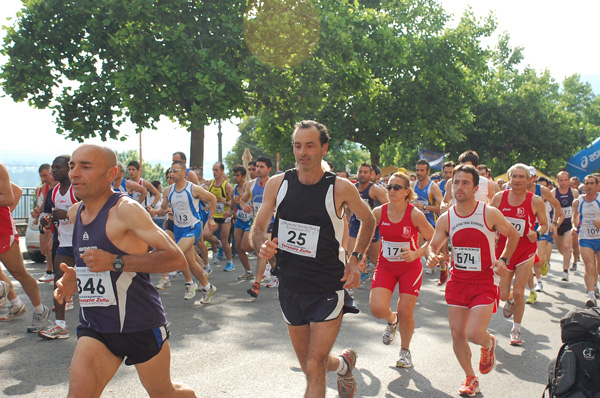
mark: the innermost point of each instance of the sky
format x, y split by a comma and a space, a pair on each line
555, 35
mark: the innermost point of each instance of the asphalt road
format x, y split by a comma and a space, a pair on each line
238, 346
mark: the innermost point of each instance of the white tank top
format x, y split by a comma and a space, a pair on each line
588, 213
65, 228
185, 206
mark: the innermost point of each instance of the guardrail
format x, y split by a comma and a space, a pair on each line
26, 204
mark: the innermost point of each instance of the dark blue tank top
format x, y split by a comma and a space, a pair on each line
364, 195
566, 201
138, 305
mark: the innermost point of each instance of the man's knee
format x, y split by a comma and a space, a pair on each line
315, 367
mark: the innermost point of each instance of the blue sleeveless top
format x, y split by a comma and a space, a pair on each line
138, 306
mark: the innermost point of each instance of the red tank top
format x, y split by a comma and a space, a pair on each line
521, 217
7, 224
472, 246
396, 237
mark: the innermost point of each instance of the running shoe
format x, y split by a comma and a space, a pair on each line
47, 277
487, 361
390, 333
174, 274
14, 312
267, 273
4, 289
164, 283
274, 282
346, 384
545, 268
539, 286
508, 308
443, 276
470, 387
229, 267
207, 269
590, 303
565, 276
190, 291
39, 321
54, 332
532, 298
515, 337
254, 290
246, 276
69, 306
370, 265
364, 277
574, 266
405, 360
208, 294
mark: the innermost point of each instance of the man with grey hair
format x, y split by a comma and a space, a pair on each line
120, 184
521, 208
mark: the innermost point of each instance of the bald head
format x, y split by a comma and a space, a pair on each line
102, 153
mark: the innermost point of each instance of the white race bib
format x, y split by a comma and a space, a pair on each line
518, 223
242, 215
568, 211
95, 288
589, 231
298, 238
467, 258
220, 207
256, 207
392, 251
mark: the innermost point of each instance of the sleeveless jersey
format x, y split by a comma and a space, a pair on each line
364, 195
120, 188
112, 302
310, 255
482, 193
41, 193
566, 203
241, 215
473, 245
186, 207
396, 238
136, 194
424, 197
7, 223
443, 187
64, 202
256, 196
219, 192
521, 217
588, 213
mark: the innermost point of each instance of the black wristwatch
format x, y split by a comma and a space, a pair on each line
505, 260
358, 255
118, 264
537, 231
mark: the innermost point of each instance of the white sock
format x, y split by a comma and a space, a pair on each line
395, 318
342, 368
61, 323
189, 283
207, 287
38, 309
517, 326
592, 294
16, 302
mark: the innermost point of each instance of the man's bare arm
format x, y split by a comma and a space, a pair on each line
17, 192
150, 188
263, 217
133, 218
134, 186
6, 193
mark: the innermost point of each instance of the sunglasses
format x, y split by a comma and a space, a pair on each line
396, 187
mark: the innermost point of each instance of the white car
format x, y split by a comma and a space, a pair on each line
32, 240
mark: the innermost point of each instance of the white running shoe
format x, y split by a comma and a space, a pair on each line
47, 277
164, 283
274, 282
54, 332
190, 291
208, 294
539, 287
4, 289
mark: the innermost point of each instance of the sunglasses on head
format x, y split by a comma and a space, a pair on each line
396, 187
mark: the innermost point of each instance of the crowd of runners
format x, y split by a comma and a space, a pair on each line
316, 234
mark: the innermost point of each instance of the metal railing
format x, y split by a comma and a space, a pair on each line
26, 204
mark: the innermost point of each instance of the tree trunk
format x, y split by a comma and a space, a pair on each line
197, 147
375, 155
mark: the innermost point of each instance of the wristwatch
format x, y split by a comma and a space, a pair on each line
424, 207
539, 234
358, 255
505, 260
118, 264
